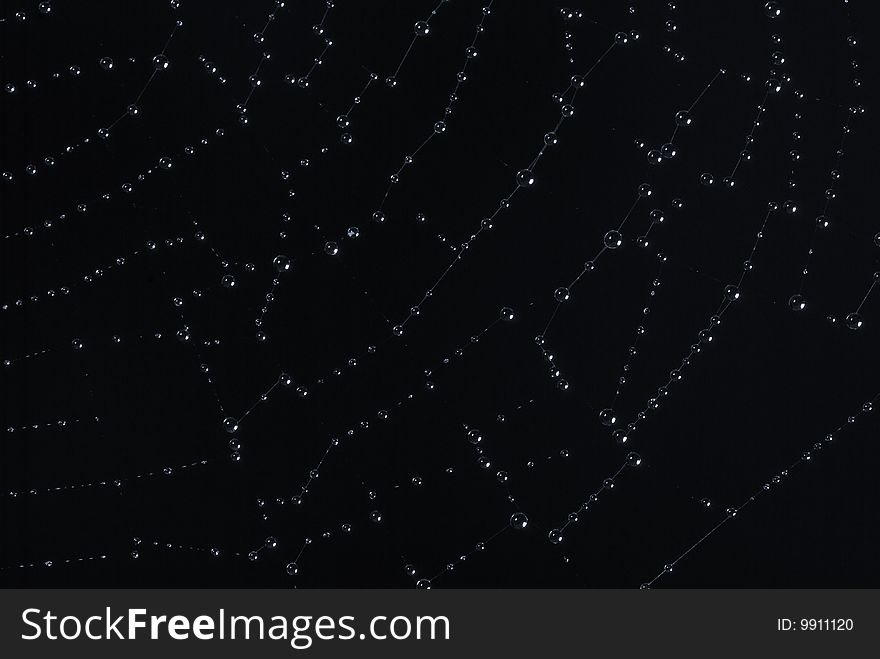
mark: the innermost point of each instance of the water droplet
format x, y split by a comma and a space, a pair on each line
524, 178
613, 239
519, 521
797, 302
854, 321
683, 118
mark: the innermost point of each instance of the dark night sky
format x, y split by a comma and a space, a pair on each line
771, 383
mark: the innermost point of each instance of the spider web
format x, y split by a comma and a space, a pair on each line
299, 295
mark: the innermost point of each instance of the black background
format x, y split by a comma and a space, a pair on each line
771, 384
